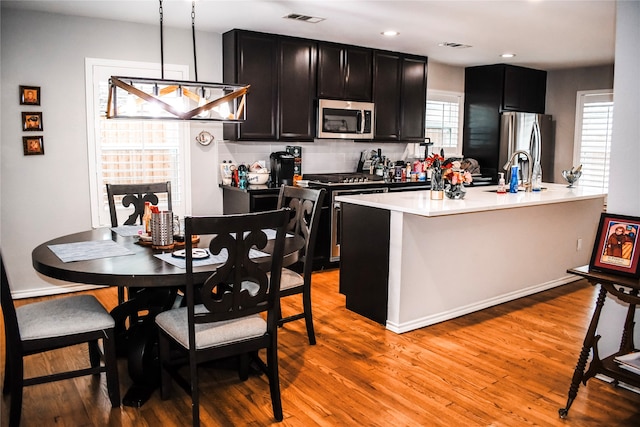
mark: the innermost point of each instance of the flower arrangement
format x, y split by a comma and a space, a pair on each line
456, 176
446, 176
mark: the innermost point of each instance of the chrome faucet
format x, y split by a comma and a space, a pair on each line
526, 184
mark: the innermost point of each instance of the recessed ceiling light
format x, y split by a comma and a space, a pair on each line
390, 33
507, 55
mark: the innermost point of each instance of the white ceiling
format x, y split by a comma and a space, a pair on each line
545, 34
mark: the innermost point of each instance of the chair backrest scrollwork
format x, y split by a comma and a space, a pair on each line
136, 195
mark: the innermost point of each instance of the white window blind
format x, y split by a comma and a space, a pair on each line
132, 151
443, 121
594, 124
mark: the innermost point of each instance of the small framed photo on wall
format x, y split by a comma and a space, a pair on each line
617, 249
29, 95
31, 121
33, 145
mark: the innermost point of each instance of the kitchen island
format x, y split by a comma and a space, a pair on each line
408, 261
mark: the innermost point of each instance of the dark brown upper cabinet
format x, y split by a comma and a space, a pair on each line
507, 87
386, 95
413, 98
400, 96
344, 72
297, 84
251, 58
524, 89
288, 74
282, 75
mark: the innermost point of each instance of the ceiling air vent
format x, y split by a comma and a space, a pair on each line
454, 45
303, 18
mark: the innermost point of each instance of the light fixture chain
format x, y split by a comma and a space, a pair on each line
161, 42
193, 32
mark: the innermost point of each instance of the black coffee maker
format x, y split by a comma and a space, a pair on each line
281, 168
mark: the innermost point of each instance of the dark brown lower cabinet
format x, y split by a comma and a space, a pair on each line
364, 260
236, 200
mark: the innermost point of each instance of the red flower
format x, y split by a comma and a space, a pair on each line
434, 161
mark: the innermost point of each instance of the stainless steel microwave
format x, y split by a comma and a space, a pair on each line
345, 119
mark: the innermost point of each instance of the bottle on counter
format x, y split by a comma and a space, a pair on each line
501, 185
513, 182
536, 178
146, 217
242, 176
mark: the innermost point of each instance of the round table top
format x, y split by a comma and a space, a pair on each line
141, 269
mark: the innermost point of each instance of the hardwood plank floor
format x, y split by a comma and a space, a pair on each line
509, 365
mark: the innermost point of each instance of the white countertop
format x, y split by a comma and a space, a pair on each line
478, 199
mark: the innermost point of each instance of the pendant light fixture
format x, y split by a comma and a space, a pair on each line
147, 98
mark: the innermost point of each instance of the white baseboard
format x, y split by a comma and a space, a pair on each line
400, 328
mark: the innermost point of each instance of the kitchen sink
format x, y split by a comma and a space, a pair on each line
520, 189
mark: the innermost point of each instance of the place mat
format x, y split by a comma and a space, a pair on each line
84, 251
128, 230
213, 259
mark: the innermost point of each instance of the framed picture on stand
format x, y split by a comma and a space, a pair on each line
617, 249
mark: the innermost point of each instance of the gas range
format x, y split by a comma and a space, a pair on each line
335, 179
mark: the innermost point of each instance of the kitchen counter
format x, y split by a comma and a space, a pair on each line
391, 185
478, 199
409, 262
263, 188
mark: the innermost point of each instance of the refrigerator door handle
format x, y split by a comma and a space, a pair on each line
512, 133
534, 145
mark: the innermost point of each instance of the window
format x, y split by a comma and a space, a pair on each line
443, 122
594, 123
132, 151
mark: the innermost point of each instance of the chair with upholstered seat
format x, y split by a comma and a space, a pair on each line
51, 324
135, 195
226, 319
305, 204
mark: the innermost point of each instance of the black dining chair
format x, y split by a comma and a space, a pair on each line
135, 195
305, 205
222, 317
48, 325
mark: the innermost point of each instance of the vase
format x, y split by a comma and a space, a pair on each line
437, 185
455, 191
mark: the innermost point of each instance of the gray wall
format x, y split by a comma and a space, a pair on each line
43, 197
445, 77
562, 87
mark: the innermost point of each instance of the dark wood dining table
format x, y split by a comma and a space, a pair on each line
156, 284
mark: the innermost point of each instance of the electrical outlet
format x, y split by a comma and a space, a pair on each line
579, 245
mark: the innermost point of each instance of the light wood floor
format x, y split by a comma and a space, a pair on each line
509, 365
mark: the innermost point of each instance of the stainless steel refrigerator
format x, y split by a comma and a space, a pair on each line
518, 132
